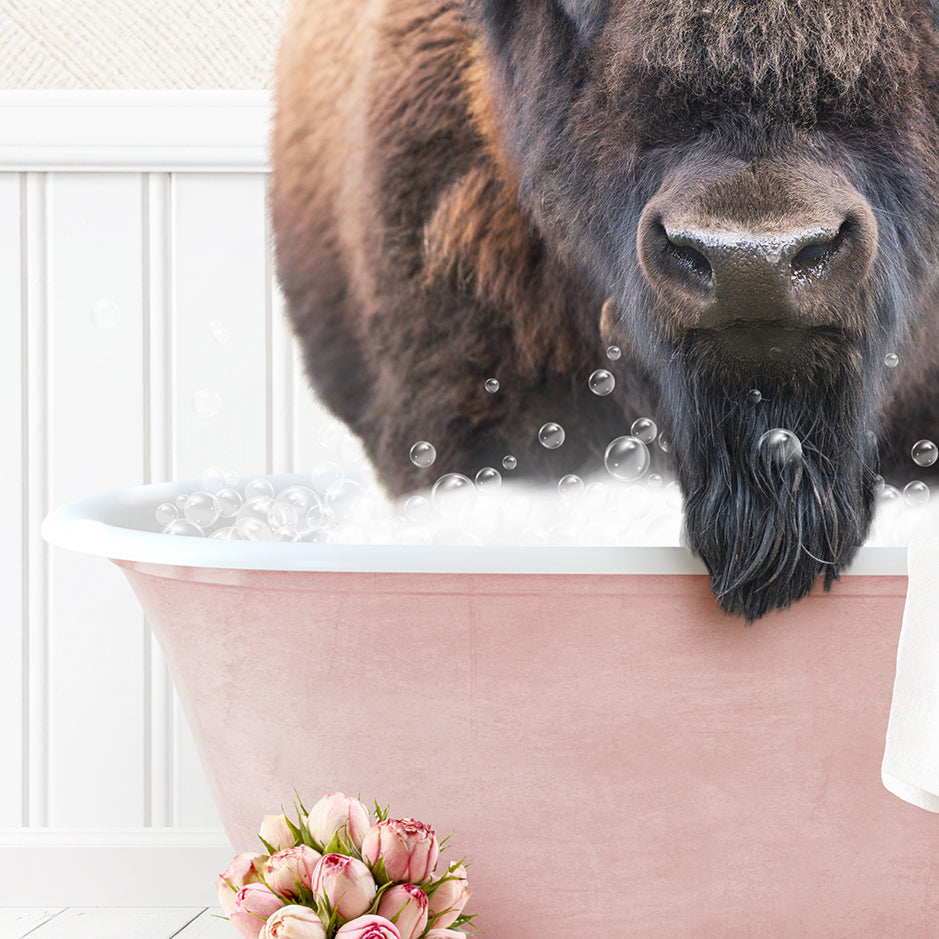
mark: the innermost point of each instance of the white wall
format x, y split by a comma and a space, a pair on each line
129, 225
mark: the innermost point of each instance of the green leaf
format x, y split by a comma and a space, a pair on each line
269, 847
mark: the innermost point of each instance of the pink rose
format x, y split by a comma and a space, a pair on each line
407, 848
335, 814
345, 883
276, 832
253, 904
283, 869
369, 927
294, 922
444, 934
406, 906
447, 899
242, 870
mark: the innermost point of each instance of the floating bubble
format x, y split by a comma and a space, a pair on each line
781, 446
417, 508
663, 444
254, 529
326, 474
601, 382
754, 396
453, 494
596, 494
182, 526
915, 493
206, 403
302, 498
654, 481
423, 453
329, 435
673, 496
219, 332
644, 429
166, 512
775, 351
105, 313
626, 458
924, 453
202, 509
492, 385
509, 462
613, 352
348, 500
891, 360
317, 519
488, 478
283, 515
889, 493
551, 435
878, 482
571, 485
256, 488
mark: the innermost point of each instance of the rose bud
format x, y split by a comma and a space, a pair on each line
407, 848
369, 927
345, 883
444, 934
294, 922
406, 906
254, 903
335, 814
447, 899
241, 871
283, 869
276, 832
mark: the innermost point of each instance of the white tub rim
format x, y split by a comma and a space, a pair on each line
101, 525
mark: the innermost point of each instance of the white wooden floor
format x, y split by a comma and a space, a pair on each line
114, 923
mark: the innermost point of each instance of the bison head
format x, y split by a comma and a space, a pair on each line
755, 185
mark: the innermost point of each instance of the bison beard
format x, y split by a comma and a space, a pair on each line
766, 531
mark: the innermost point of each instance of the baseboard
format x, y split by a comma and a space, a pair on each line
139, 131
127, 867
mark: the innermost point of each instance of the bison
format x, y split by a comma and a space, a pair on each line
743, 196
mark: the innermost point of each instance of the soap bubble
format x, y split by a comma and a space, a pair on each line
423, 453
285, 533
509, 462
348, 500
219, 332
571, 485
915, 493
601, 382
551, 435
318, 518
302, 498
182, 526
325, 474
488, 478
417, 508
891, 360
596, 494
213, 479
754, 396
673, 496
663, 444
206, 403
253, 529
654, 481
202, 509
626, 458
165, 513
781, 446
492, 385
879, 484
924, 453
889, 493
105, 313
644, 429
229, 501
613, 352
228, 533
453, 494
256, 488
283, 515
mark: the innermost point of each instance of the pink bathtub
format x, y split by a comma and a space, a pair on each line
614, 756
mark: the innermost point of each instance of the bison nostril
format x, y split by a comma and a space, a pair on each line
689, 258
813, 257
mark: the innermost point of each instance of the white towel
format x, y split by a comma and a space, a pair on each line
911, 758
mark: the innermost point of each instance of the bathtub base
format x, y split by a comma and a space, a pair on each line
613, 755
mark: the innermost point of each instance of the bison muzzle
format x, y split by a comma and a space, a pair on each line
743, 196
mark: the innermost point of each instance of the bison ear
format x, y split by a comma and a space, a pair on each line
587, 16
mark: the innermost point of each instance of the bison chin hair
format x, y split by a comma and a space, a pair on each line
766, 526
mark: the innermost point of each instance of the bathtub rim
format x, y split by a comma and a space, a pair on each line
93, 525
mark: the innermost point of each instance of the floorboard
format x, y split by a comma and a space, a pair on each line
208, 926
116, 923
16, 923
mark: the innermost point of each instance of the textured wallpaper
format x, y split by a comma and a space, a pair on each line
74, 44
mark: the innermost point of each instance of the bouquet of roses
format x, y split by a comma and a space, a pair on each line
336, 873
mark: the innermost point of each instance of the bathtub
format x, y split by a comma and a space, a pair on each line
613, 755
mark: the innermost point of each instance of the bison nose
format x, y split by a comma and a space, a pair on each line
716, 276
